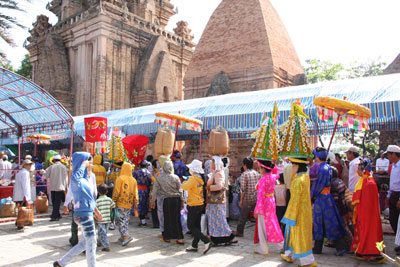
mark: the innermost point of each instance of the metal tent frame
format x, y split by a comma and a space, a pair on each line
26, 108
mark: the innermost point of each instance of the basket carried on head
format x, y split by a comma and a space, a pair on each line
164, 143
218, 142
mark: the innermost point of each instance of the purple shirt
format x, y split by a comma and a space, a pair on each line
314, 170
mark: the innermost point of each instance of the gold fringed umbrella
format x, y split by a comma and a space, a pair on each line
179, 121
342, 112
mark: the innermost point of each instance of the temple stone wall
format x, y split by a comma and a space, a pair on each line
108, 55
388, 138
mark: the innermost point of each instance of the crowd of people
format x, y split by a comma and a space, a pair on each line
301, 202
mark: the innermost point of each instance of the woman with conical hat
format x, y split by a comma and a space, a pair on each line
266, 152
298, 216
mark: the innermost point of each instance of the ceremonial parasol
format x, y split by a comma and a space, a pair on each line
179, 121
135, 147
38, 139
342, 112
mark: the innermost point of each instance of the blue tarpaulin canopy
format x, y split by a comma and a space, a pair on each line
240, 113
26, 108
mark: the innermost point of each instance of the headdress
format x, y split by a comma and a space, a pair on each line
295, 141
266, 146
298, 160
322, 154
177, 154
365, 165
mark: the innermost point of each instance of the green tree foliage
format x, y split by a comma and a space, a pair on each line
26, 68
7, 22
318, 71
365, 69
6, 64
367, 141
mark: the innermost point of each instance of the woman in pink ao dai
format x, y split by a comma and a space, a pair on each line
268, 228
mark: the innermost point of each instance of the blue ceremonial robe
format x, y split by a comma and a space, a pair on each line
326, 214
143, 177
180, 169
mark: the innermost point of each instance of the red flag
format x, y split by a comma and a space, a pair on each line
96, 129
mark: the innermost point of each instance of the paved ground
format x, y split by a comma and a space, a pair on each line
46, 242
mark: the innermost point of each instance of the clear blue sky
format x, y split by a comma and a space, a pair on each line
336, 30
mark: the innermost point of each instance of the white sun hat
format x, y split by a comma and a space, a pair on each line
196, 166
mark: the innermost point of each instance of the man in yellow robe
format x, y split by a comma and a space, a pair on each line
298, 217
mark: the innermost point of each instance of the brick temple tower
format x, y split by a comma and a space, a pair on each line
244, 47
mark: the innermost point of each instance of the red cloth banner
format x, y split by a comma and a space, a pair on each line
135, 147
96, 129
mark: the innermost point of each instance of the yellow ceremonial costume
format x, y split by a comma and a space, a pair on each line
298, 218
99, 170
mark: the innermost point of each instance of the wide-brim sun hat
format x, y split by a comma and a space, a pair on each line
27, 162
196, 166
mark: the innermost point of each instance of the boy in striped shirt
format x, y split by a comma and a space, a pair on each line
104, 204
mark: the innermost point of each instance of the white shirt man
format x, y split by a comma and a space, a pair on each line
382, 164
353, 156
393, 154
5, 169
22, 187
58, 177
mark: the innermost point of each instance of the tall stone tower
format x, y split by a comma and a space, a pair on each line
393, 67
110, 54
244, 47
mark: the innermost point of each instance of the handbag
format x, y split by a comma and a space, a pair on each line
7, 208
25, 216
42, 204
115, 214
349, 199
216, 197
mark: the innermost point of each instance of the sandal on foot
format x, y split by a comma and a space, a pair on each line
230, 242
179, 242
358, 258
341, 252
126, 242
163, 240
377, 260
309, 265
191, 249
286, 258
207, 247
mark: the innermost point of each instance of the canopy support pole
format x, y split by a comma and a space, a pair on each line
71, 146
200, 144
176, 134
35, 150
333, 135
19, 151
